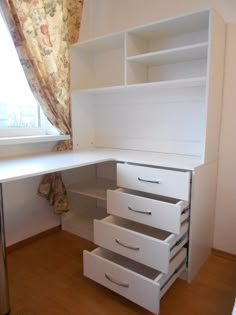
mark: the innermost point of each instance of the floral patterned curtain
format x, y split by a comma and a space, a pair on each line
42, 31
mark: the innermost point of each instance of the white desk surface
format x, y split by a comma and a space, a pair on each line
28, 166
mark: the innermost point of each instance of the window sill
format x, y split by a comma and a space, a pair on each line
32, 139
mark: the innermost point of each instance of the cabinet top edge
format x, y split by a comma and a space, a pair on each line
120, 34
169, 84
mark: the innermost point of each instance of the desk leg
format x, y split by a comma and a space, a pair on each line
4, 294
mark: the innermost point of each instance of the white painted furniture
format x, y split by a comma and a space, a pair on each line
131, 254
151, 95
140, 284
149, 100
12, 169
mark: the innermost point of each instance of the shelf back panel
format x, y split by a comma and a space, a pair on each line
162, 122
141, 73
137, 45
173, 27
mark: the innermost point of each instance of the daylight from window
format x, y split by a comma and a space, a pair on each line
18, 107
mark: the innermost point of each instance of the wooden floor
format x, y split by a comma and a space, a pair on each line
46, 279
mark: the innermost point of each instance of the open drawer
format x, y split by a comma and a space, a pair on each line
138, 283
161, 212
171, 183
144, 244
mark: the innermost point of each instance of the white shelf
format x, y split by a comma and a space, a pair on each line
171, 27
180, 54
168, 84
100, 44
168, 34
178, 46
96, 188
82, 224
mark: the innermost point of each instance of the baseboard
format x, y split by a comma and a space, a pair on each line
31, 239
223, 254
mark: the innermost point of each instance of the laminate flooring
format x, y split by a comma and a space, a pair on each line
46, 278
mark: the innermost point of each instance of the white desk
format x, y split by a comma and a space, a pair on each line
28, 166
12, 169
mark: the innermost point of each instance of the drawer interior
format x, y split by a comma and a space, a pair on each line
144, 229
152, 196
127, 263
141, 269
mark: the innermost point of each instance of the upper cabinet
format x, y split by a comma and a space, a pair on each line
172, 49
168, 50
156, 87
169, 34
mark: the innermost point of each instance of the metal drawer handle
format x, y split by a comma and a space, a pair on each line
124, 285
139, 211
127, 246
149, 181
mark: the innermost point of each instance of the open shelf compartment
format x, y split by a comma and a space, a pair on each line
168, 34
100, 62
96, 188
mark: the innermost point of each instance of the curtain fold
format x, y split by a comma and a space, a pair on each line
42, 31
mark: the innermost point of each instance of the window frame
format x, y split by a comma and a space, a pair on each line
45, 127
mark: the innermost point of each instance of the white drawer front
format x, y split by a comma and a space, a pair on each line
163, 214
149, 246
169, 183
136, 282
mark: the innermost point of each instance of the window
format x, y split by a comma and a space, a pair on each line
20, 114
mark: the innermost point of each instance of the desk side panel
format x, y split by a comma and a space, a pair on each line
202, 216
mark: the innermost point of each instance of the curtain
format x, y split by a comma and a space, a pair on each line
42, 31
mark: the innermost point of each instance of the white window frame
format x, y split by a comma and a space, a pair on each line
44, 129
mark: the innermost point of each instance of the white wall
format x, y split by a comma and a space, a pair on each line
106, 16
225, 221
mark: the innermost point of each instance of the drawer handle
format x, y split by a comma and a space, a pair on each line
139, 211
124, 285
149, 181
126, 246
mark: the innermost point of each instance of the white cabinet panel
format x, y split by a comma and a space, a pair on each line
149, 246
157, 211
170, 183
136, 282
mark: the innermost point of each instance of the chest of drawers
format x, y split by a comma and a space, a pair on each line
143, 242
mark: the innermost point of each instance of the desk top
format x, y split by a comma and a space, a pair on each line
27, 166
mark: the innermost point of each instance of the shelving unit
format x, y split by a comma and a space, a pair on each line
153, 89
96, 188
167, 34
81, 224
88, 198
185, 53
157, 69
145, 87
138, 55
100, 62
176, 63
168, 67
